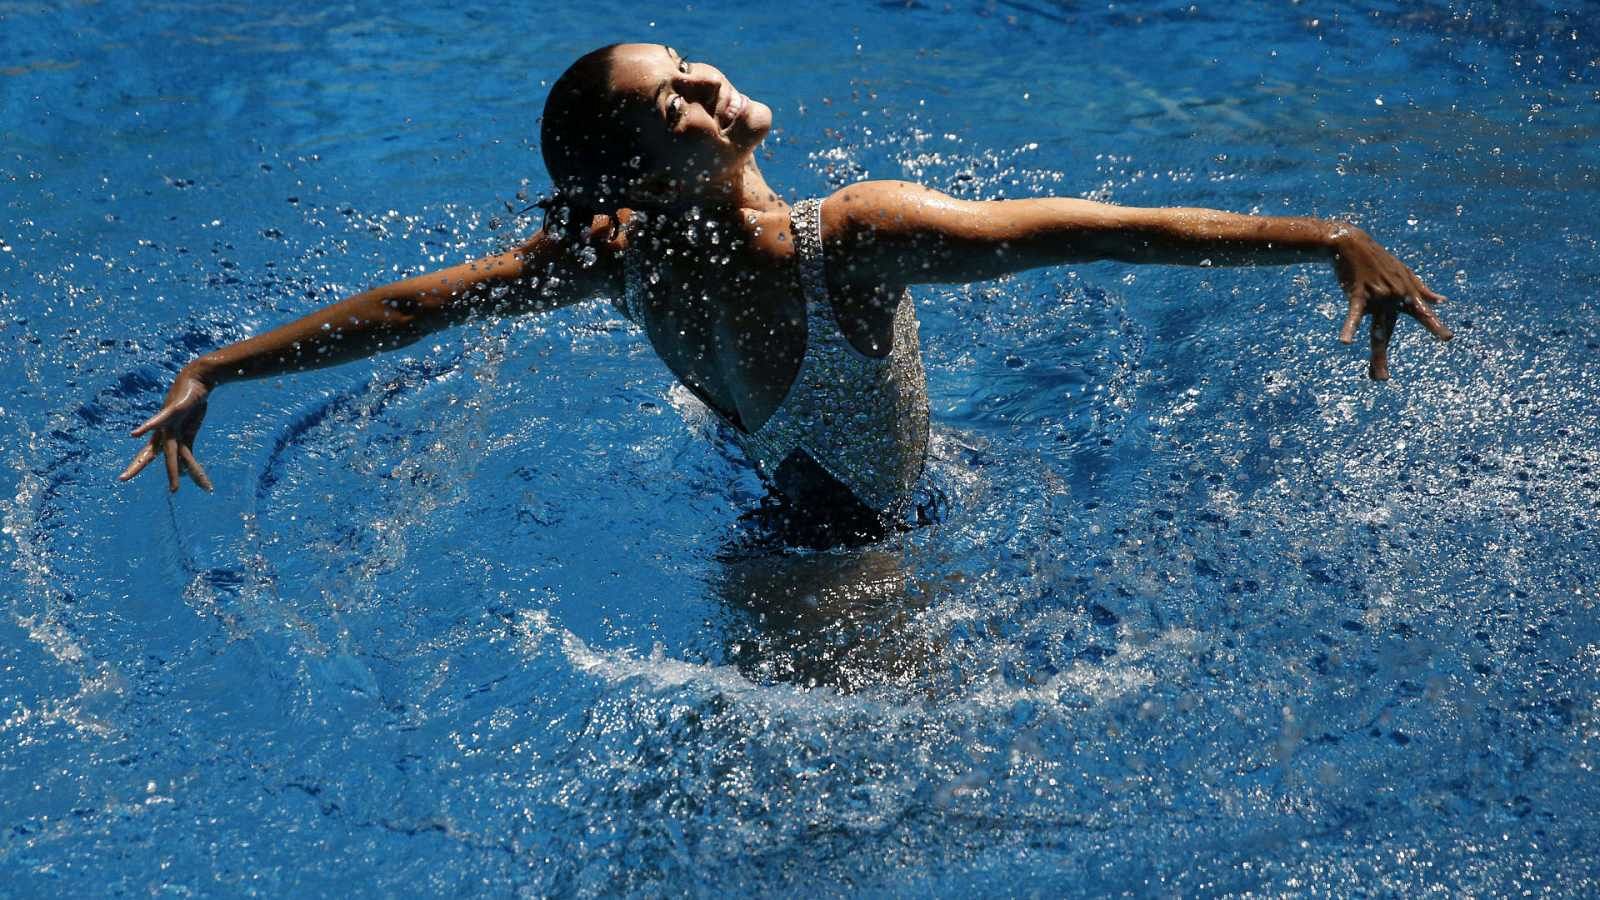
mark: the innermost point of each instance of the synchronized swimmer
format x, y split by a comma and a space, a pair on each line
795, 325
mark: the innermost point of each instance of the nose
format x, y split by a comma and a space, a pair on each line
702, 83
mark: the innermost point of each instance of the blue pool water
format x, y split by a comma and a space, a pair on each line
1208, 613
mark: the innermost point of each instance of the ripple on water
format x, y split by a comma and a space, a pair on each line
1204, 613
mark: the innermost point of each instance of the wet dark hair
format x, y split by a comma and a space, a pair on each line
589, 142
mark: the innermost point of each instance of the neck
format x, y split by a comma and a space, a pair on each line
754, 192
742, 188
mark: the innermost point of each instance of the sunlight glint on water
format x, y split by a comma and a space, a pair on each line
1206, 612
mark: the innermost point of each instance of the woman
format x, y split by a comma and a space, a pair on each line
792, 324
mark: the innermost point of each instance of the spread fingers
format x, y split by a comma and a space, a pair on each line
140, 460
153, 422
170, 446
1382, 330
196, 471
1423, 313
1352, 320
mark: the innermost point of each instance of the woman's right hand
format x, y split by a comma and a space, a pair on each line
172, 431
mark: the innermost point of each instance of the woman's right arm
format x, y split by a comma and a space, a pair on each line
539, 275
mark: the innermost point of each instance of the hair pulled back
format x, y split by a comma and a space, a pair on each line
590, 146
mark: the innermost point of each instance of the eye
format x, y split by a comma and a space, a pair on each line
683, 65
674, 109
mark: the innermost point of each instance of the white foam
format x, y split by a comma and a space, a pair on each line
659, 671
40, 620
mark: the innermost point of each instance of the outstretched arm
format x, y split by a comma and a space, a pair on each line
889, 231
541, 274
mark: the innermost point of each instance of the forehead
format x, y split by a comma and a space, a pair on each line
637, 69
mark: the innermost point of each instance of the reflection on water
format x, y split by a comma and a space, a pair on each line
837, 617
1206, 612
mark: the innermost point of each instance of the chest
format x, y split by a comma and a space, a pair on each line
736, 333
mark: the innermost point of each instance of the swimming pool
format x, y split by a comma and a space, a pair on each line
1207, 612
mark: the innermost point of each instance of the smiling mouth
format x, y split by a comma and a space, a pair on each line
734, 109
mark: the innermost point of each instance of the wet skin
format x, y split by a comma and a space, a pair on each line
733, 330
727, 317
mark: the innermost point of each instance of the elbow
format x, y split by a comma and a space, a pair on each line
401, 316
395, 312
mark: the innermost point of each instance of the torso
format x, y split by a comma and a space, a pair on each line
841, 435
734, 333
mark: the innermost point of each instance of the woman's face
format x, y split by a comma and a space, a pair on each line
692, 122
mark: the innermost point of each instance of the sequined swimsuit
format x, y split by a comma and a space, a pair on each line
862, 419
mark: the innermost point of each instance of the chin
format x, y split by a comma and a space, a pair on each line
760, 117
756, 123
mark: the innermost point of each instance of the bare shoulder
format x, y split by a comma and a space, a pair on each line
770, 237
878, 208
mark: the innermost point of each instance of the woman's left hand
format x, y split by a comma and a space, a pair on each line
1377, 283
172, 431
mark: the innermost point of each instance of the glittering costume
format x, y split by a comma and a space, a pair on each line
862, 419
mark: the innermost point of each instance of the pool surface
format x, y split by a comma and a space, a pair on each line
1207, 612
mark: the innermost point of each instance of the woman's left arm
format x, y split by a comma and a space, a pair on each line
898, 232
